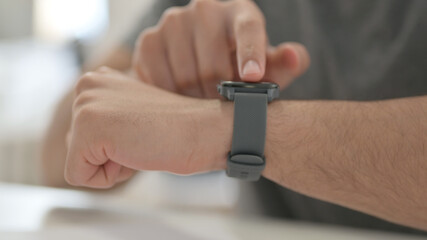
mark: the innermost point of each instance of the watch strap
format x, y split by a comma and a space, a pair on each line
246, 160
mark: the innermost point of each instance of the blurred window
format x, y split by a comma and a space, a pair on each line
70, 19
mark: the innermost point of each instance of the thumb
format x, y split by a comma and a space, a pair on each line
286, 62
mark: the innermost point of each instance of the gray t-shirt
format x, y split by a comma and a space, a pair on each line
361, 50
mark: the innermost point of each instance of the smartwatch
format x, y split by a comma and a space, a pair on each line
246, 159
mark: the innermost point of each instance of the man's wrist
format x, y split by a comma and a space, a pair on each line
214, 132
276, 116
289, 130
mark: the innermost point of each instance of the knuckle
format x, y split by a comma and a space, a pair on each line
148, 42
245, 23
86, 112
86, 81
173, 12
171, 15
249, 8
84, 115
83, 99
184, 81
204, 9
103, 69
147, 38
202, 4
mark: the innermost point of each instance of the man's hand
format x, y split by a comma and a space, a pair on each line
370, 156
120, 124
194, 47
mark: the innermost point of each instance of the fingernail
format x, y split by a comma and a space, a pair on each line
251, 68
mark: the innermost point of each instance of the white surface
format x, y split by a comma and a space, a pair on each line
210, 190
30, 213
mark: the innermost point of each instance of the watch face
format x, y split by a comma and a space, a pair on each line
228, 89
259, 85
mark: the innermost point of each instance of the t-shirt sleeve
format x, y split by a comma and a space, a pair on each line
150, 18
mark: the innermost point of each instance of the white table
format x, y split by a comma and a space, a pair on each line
30, 213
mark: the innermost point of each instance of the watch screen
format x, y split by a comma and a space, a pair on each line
260, 85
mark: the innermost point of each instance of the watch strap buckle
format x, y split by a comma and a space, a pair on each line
247, 167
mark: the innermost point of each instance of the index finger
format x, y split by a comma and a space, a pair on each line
251, 43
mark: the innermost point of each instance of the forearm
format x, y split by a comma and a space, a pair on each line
54, 148
369, 156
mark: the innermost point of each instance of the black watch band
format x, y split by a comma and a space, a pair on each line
246, 159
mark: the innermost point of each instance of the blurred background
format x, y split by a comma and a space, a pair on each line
43, 45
